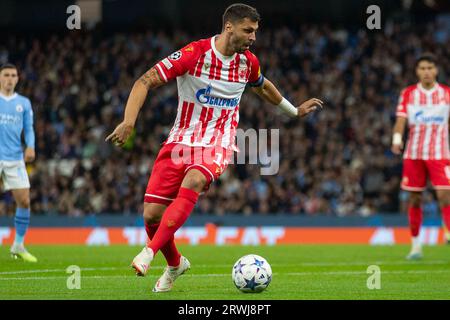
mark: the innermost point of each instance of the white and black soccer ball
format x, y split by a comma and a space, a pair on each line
251, 273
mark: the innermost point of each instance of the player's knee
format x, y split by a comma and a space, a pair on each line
152, 214
415, 199
151, 217
443, 198
23, 202
444, 203
195, 181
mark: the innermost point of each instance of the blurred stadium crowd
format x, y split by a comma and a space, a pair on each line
336, 162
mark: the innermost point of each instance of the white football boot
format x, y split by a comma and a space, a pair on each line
416, 250
142, 261
18, 251
165, 282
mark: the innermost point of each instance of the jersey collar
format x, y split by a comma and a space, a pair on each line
8, 98
218, 54
428, 91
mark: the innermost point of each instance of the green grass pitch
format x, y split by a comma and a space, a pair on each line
299, 272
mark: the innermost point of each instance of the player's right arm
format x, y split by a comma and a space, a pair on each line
397, 137
167, 69
400, 124
149, 80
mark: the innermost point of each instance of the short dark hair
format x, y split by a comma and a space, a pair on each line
428, 57
7, 66
239, 11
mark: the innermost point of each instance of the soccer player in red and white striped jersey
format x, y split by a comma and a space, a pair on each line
425, 106
211, 76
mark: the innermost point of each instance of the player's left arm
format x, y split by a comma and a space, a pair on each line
270, 93
267, 91
29, 154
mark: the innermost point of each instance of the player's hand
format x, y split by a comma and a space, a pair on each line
309, 106
120, 134
397, 149
29, 155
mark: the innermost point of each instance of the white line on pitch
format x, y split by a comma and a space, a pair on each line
305, 264
228, 274
226, 265
57, 270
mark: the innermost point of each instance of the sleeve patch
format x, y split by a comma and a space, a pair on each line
167, 63
176, 55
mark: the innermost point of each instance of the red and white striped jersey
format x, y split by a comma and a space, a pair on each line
427, 112
210, 86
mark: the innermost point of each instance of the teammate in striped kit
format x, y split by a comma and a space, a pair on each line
425, 107
211, 76
16, 115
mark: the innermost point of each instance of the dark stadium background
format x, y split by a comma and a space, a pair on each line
336, 168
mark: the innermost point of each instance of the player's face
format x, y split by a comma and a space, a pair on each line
8, 79
426, 72
243, 34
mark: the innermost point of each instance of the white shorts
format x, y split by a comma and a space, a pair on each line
14, 175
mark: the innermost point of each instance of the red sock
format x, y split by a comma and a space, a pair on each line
169, 250
446, 217
174, 217
415, 220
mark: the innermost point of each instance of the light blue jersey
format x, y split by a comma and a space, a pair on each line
16, 115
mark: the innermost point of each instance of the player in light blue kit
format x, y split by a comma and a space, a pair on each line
16, 115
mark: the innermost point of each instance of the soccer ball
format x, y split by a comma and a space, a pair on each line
251, 273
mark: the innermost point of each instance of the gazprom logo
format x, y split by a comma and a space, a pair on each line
420, 117
204, 97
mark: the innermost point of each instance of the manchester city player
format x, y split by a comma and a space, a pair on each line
16, 115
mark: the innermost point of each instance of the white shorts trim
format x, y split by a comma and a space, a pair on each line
441, 187
14, 175
412, 188
202, 166
159, 197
